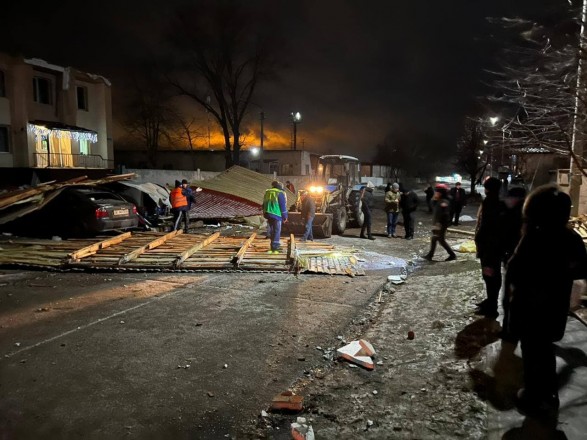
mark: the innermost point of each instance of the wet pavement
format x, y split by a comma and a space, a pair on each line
143, 356
502, 361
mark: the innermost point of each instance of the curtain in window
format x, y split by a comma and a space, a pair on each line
60, 154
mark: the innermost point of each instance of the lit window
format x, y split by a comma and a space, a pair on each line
84, 147
82, 98
4, 139
42, 90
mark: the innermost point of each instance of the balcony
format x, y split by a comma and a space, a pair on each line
62, 160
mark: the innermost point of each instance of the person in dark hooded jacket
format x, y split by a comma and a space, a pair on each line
489, 239
366, 206
440, 222
539, 280
408, 204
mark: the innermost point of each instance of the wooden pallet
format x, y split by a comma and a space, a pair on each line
173, 251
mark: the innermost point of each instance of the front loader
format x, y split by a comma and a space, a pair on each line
337, 195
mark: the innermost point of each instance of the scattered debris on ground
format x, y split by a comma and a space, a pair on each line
287, 401
358, 352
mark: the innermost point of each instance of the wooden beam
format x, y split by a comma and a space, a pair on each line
238, 258
152, 244
195, 248
292, 248
93, 248
458, 231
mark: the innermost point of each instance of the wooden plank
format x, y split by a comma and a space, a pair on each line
238, 258
458, 231
192, 250
195, 248
292, 247
93, 248
153, 244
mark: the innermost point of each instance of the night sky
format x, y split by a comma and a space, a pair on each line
355, 70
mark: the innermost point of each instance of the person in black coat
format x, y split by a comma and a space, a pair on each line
440, 222
539, 279
308, 212
429, 191
366, 206
408, 204
458, 199
489, 239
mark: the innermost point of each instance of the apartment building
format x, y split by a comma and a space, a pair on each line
53, 116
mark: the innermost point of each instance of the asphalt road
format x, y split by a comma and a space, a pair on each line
106, 355
182, 356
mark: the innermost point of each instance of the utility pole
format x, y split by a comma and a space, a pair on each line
579, 126
262, 118
296, 118
208, 118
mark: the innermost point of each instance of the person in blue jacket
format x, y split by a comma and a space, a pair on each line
275, 211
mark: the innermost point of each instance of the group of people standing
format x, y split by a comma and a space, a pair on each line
529, 237
399, 199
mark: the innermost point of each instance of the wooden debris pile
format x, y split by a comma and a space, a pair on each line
579, 224
316, 257
173, 251
15, 204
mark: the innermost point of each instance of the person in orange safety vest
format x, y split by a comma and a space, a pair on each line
179, 206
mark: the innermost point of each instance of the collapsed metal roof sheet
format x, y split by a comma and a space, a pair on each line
215, 205
241, 183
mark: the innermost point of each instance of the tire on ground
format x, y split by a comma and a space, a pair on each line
358, 216
339, 220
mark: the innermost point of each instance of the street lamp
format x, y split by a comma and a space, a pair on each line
494, 120
295, 118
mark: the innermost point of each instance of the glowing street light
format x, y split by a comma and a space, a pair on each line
295, 118
494, 120
255, 151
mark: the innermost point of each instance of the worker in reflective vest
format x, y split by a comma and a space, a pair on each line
179, 207
275, 211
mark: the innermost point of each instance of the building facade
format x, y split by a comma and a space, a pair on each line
53, 116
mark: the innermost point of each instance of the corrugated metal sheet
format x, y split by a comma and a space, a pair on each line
242, 183
214, 205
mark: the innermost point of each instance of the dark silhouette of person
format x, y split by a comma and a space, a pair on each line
540, 275
458, 199
429, 191
512, 223
489, 240
308, 212
440, 221
366, 206
408, 204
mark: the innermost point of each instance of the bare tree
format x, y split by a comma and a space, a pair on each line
186, 129
224, 50
536, 87
468, 152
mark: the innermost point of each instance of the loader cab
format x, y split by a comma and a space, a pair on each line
339, 171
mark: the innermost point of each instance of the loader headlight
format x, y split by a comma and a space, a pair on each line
316, 189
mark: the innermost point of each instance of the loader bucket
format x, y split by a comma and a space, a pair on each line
321, 228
